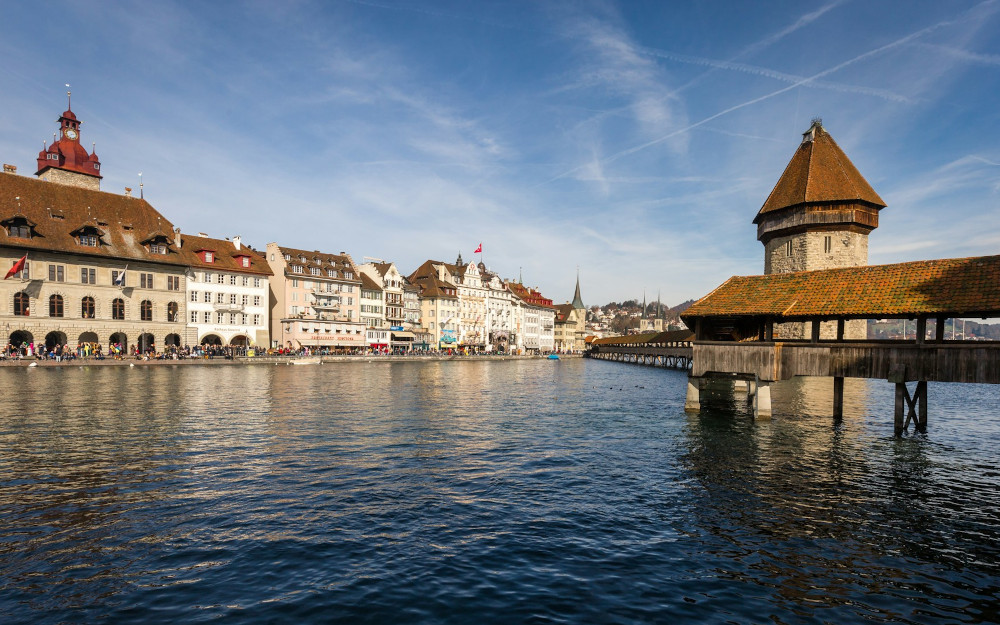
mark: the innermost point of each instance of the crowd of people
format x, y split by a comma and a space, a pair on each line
117, 351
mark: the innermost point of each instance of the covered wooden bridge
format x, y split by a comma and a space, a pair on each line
738, 329
662, 349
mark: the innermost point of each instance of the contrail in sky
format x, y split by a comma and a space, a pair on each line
804, 81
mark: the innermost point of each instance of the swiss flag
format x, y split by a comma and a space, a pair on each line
479, 250
19, 265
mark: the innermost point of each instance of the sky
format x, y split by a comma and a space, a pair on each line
632, 142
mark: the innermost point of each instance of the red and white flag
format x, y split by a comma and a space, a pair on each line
19, 265
479, 250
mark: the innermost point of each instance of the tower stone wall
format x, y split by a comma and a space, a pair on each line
815, 250
61, 176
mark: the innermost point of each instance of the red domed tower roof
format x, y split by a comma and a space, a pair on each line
66, 152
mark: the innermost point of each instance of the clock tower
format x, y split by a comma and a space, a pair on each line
66, 161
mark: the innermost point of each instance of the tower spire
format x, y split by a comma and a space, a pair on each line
577, 300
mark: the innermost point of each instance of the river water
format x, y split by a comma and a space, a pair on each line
486, 492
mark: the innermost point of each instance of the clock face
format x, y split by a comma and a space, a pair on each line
71, 134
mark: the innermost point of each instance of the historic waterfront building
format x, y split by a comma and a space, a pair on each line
373, 313
315, 300
818, 216
478, 307
97, 267
393, 287
534, 318
438, 303
571, 324
227, 292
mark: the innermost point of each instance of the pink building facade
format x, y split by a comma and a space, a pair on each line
315, 300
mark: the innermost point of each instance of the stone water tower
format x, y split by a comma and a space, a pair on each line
818, 216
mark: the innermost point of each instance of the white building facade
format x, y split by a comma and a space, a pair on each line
226, 292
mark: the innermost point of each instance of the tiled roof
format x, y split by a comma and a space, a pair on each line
57, 211
947, 287
425, 277
226, 257
321, 260
670, 336
529, 295
368, 284
819, 172
563, 311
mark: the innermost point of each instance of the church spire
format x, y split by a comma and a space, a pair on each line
577, 300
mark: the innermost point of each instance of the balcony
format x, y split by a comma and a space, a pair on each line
329, 302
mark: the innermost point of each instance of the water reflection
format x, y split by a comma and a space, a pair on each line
514, 491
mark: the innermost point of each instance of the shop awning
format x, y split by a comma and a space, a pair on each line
403, 335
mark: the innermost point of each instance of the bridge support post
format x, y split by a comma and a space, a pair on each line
910, 408
762, 400
692, 403
838, 398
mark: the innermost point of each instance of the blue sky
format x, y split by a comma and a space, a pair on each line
634, 140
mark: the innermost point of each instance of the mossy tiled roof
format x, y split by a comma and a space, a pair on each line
670, 336
945, 287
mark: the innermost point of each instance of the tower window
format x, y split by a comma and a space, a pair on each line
827, 244
788, 248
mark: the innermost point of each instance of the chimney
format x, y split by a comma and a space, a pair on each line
237, 241
9, 169
128, 191
177, 238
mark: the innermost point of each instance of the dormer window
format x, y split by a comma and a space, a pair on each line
89, 240
331, 273
245, 261
314, 271
296, 269
18, 227
157, 248
21, 232
288, 257
209, 257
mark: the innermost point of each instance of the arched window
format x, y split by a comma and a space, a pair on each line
172, 311
118, 308
87, 307
146, 310
21, 302
55, 306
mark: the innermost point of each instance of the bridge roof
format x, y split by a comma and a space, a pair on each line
648, 337
947, 287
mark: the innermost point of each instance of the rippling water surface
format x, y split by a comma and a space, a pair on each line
486, 492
